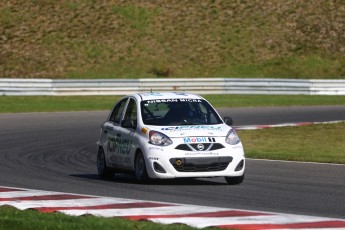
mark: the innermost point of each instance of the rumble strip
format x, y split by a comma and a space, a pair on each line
160, 212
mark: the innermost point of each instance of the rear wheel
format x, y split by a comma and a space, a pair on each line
234, 179
103, 170
140, 168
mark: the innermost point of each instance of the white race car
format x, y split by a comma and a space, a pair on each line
169, 135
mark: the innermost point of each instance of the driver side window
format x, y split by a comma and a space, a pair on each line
131, 112
116, 115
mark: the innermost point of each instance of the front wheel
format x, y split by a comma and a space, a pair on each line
103, 170
140, 168
232, 180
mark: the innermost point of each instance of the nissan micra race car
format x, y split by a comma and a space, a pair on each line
169, 135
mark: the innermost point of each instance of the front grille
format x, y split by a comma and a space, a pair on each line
183, 147
194, 147
200, 164
216, 146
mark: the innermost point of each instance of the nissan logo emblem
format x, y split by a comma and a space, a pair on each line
200, 147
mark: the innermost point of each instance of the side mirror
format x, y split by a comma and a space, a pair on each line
228, 120
129, 124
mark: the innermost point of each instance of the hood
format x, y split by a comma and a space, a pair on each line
193, 130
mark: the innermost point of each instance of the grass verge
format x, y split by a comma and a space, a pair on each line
55, 104
315, 143
15, 104
11, 218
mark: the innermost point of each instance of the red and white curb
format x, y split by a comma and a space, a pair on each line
252, 127
160, 212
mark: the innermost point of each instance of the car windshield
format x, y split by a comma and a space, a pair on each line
178, 112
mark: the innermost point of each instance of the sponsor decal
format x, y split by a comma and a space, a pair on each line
161, 101
194, 127
191, 100
194, 139
155, 148
237, 147
154, 158
119, 145
198, 139
173, 100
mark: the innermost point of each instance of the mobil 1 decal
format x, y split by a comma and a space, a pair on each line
198, 139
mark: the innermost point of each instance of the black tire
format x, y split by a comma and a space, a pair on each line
140, 168
103, 170
234, 179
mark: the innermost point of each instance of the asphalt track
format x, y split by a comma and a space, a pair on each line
57, 152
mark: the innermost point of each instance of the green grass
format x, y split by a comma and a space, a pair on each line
54, 104
294, 66
14, 104
315, 143
141, 39
11, 218
136, 16
273, 100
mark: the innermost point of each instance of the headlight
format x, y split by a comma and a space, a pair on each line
232, 138
157, 138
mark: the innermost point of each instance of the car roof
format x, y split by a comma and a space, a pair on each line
167, 95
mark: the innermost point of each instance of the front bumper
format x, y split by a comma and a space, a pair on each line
168, 162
